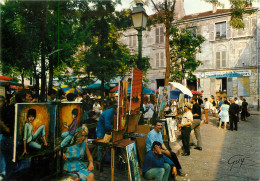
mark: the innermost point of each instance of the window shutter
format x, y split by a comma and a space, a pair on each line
157, 35
218, 60
224, 59
157, 59
134, 41
130, 41
162, 59
161, 35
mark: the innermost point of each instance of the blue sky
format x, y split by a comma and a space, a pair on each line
190, 6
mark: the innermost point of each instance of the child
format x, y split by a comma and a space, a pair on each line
68, 135
29, 138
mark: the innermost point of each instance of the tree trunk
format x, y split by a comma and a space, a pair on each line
167, 52
50, 72
43, 52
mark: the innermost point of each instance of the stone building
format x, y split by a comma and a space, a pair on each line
229, 55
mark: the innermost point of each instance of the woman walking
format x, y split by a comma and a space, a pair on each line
224, 115
244, 110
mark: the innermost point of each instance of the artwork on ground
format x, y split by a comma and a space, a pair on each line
136, 92
69, 124
133, 162
123, 104
172, 127
34, 132
181, 100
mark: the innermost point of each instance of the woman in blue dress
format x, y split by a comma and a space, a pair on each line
224, 115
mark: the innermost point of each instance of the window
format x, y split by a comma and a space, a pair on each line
159, 35
221, 60
221, 30
160, 60
193, 30
132, 41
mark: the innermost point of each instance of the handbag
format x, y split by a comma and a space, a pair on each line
247, 114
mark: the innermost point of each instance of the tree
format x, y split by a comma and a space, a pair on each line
184, 46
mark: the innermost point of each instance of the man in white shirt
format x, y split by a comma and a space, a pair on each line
206, 110
97, 107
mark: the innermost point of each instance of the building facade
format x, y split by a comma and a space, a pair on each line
229, 55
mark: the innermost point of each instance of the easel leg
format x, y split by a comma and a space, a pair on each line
127, 163
112, 163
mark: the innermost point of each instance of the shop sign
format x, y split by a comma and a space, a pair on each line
236, 73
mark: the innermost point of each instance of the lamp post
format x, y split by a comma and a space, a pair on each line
139, 18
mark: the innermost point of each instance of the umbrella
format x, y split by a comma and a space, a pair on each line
181, 87
97, 86
80, 90
144, 91
196, 92
114, 89
56, 88
66, 89
175, 94
5, 78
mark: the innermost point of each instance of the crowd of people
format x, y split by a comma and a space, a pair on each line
160, 163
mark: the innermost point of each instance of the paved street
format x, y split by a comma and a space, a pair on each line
226, 155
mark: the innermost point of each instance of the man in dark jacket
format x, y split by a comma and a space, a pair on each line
233, 114
196, 111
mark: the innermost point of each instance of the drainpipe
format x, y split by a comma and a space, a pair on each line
257, 61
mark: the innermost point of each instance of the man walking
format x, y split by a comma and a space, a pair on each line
233, 114
196, 111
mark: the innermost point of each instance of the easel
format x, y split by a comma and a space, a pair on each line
117, 142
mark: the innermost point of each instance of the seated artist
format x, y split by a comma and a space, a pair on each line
74, 159
156, 165
89, 121
156, 135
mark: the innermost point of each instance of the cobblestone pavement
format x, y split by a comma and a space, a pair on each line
226, 155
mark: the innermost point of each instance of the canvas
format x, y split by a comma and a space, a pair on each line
69, 130
172, 127
136, 92
34, 132
133, 162
123, 105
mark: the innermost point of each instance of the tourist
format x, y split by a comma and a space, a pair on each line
233, 114
224, 115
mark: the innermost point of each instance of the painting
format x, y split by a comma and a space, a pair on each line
172, 127
69, 128
123, 105
34, 132
136, 92
133, 162
181, 101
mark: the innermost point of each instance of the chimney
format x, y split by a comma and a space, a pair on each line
179, 9
214, 8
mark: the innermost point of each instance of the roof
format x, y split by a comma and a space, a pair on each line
205, 14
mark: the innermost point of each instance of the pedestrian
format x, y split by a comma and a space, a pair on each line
240, 101
224, 115
244, 110
156, 165
196, 111
97, 108
206, 110
156, 135
51, 95
185, 127
200, 101
225, 99
233, 114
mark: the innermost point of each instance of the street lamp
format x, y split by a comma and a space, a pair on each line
139, 18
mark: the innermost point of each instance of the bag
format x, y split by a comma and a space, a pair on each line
247, 114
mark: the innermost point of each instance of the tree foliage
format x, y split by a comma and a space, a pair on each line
184, 47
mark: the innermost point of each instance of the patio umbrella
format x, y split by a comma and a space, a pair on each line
80, 90
196, 92
66, 89
56, 88
97, 86
181, 87
144, 91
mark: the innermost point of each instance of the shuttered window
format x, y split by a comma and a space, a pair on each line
218, 60
159, 35
221, 59
162, 60
157, 60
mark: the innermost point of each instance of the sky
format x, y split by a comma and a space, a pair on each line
190, 6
